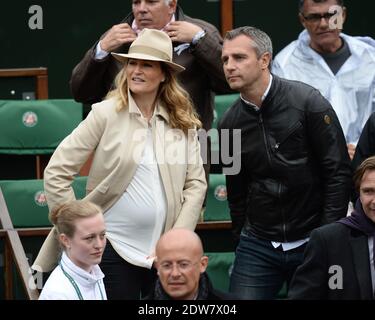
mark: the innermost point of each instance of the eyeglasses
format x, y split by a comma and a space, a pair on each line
316, 17
182, 266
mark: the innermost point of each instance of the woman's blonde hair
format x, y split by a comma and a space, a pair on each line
176, 100
64, 216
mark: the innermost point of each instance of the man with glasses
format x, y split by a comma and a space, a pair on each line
181, 269
342, 67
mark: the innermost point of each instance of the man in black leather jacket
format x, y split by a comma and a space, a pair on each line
295, 170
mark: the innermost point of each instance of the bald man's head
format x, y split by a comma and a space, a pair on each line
180, 261
180, 239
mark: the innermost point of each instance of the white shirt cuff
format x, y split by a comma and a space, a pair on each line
100, 53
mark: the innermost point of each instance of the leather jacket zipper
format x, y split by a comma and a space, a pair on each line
290, 131
264, 138
283, 216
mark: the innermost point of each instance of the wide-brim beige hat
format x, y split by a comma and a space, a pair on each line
151, 45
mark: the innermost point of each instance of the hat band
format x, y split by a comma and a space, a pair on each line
149, 51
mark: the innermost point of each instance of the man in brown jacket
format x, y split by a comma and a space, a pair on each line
197, 47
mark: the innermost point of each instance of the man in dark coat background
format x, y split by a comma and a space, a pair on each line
339, 258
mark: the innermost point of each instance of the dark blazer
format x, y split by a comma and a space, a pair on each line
334, 245
92, 79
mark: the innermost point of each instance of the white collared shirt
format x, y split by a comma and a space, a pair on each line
289, 245
59, 287
263, 96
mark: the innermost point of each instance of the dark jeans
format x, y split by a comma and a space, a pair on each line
123, 280
260, 270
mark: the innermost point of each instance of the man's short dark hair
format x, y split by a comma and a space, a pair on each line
301, 2
366, 165
262, 42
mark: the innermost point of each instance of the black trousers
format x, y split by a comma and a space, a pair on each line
123, 280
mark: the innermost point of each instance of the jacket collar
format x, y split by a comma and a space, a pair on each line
160, 109
272, 92
81, 276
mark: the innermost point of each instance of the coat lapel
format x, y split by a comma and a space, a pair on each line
160, 154
361, 259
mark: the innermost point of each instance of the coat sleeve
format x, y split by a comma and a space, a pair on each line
91, 78
89, 81
311, 277
236, 182
208, 54
366, 144
328, 147
68, 159
195, 186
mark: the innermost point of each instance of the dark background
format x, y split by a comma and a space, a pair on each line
71, 27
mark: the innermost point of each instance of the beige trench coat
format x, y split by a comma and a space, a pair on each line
117, 140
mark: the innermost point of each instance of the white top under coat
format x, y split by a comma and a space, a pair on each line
58, 286
136, 221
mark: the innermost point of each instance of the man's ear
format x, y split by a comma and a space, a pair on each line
172, 7
265, 60
344, 13
302, 19
203, 264
156, 265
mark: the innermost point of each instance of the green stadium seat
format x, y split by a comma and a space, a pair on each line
217, 205
26, 201
36, 127
222, 103
24, 216
219, 267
